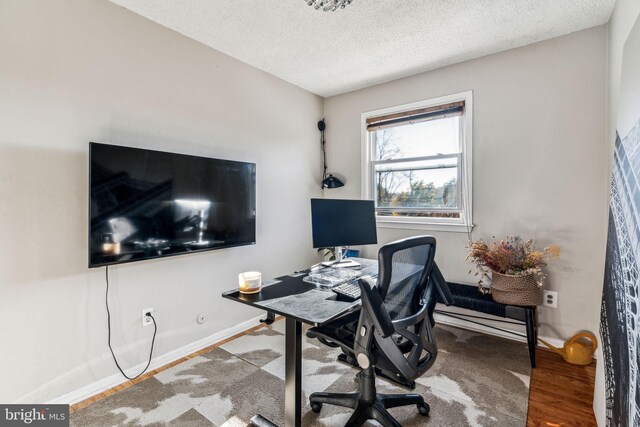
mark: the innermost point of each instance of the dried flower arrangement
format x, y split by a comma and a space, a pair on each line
511, 256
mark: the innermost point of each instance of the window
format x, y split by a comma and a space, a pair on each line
417, 164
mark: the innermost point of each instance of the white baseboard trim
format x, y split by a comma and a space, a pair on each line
446, 320
114, 380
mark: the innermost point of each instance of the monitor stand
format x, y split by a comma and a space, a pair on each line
337, 253
340, 261
346, 263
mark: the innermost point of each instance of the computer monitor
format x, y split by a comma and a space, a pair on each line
337, 223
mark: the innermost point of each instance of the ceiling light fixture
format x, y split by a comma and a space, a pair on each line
328, 5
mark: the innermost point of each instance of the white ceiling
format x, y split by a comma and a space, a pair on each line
370, 41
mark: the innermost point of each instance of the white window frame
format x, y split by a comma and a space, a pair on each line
464, 223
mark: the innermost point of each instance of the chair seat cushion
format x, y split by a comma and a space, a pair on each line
341, 331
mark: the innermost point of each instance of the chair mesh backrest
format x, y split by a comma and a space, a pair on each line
407, 284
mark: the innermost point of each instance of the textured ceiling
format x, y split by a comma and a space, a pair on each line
370, 41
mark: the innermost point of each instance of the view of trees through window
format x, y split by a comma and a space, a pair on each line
416, 169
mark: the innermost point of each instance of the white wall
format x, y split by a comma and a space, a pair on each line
623, 18
538, 160
74, 71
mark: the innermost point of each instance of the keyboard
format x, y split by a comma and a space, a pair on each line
349, 290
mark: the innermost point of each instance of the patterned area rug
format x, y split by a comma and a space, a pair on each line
477, 380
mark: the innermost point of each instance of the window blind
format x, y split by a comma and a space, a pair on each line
415, 116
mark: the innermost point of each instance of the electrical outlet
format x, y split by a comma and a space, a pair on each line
550, 299
146, 320
202, 317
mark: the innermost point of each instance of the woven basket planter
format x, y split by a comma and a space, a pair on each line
515, 290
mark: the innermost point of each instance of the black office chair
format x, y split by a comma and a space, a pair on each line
394, 331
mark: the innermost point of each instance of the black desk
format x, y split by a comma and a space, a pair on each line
299, 302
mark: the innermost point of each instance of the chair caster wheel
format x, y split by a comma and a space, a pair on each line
316, 407
424, 409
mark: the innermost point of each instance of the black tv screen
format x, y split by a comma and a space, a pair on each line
147, 204
339, 222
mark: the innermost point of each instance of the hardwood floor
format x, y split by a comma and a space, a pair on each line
561, 394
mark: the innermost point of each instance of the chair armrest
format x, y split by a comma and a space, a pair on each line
373, 305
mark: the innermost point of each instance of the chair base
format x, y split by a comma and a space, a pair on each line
403, 382
367, 404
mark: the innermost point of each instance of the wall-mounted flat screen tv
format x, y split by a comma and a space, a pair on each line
147, 204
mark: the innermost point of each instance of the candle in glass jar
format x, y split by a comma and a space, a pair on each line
250, 282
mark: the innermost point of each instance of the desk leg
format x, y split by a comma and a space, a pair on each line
293, 374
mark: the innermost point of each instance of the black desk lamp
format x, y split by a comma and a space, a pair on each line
327, 181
